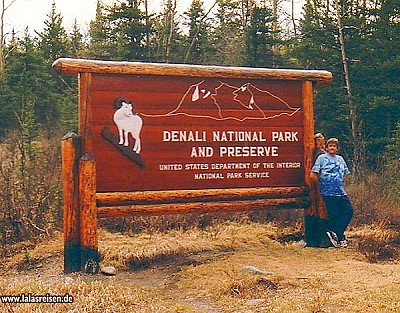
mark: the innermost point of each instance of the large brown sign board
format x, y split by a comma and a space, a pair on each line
173, 138
198, 132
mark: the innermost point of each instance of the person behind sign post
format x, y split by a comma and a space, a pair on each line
316, 216
319, 148
330, 169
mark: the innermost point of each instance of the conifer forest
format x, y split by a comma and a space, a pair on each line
357, 40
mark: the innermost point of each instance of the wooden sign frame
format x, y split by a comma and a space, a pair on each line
84, 203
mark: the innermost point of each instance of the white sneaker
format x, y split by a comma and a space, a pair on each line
343, 243
333, 238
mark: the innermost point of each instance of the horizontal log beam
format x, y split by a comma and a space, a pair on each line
202, 207
206, 195
75, 66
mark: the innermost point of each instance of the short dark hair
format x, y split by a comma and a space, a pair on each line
333, 140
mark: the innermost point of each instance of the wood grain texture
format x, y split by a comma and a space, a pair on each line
75, 66
127, 151
207, 195
85, 112
278, 107
71, 148
88, 209
201, 207
308, 138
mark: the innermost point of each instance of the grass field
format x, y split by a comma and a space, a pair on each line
226, 267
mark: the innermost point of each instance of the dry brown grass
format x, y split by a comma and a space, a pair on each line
378, 242
30, 189
376, 216
141, 250
205, 272
372, 200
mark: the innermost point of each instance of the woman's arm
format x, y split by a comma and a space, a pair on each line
314, 177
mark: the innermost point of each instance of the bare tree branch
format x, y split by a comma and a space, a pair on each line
4, 8
197, 32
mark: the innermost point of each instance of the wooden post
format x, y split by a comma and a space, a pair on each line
85, 112
314, 223
71, 220
88, 215
308, 120
310, 222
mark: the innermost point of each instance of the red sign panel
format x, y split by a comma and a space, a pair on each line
179, 133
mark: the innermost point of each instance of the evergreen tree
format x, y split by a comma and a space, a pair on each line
363, 112
102, 38
318, 48
75, 42
53, 38
6, 115
316, 45
391, 168
197, 50
129, 28
260, 38
28, 91
228, 34
168, 40
120, 32
378, 75
4, 6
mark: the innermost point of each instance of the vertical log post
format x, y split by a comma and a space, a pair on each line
71, 149
308, 120
88, 215
85, 111
310, 221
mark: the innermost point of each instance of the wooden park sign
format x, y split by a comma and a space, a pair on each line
167, 138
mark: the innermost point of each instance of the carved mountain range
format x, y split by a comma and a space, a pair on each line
227, 102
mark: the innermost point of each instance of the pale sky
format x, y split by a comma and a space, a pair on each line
32, 13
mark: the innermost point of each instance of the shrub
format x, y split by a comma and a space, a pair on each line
30, 191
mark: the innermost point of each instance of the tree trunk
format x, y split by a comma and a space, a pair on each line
275, 47
170, 27
187, 55
352, 106
4, 8
293, 20
146, 7
2, 41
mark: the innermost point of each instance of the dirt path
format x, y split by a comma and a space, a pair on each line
290, 279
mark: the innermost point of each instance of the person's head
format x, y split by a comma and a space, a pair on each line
332, 146
319, 141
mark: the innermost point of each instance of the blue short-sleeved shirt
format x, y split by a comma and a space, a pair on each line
331, 170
